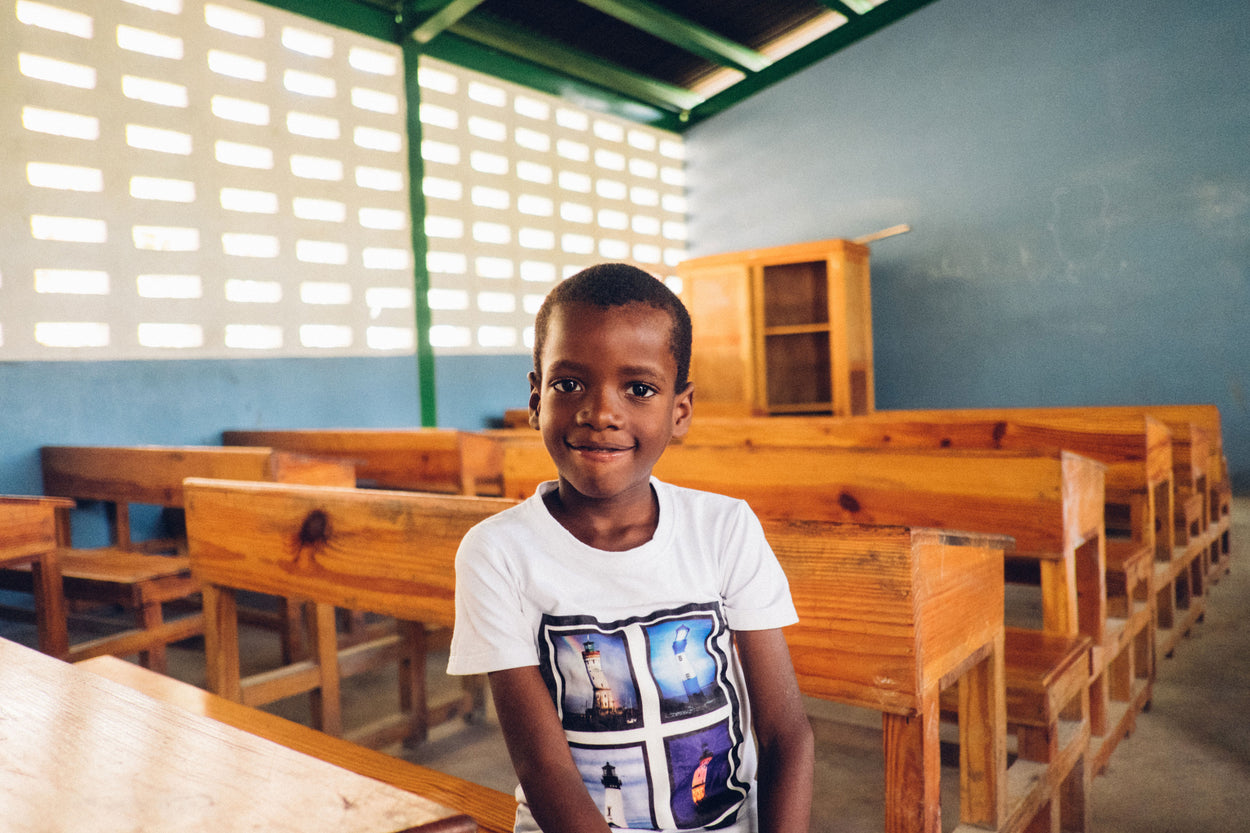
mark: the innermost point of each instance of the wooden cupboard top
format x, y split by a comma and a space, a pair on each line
790, 253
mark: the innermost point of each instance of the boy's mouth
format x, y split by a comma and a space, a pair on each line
598, 448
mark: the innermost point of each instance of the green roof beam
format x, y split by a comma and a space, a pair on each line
853, 30
544, 52
851, 9
425, 21
682, 33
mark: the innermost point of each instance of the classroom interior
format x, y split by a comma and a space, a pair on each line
1069, 190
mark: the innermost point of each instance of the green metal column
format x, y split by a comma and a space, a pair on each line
420, 272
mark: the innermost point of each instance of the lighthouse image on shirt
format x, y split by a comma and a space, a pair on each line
650, 714
613, 801
684, 668
689, 680
605, 703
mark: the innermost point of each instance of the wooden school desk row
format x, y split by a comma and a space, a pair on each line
1066, 557
132, 574
1065, 603
930, 626
1150, 600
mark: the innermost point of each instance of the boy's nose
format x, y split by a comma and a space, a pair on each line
599, 410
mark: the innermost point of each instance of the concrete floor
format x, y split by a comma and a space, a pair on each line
1185, 768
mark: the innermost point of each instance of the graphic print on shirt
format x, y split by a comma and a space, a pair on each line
650, 715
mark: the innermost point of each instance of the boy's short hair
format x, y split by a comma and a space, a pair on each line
616, 285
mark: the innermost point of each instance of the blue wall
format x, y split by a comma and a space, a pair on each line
472, 392
188, 402
1077, 180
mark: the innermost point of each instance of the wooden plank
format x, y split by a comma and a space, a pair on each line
417, 459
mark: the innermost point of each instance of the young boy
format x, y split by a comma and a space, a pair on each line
631, 629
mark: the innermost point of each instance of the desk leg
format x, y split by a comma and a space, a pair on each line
913, 769
983, 741
50, 605
1059, 597
221, 642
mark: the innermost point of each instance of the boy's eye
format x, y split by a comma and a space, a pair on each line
641, 390
566, 385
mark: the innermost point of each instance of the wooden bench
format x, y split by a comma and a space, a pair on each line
1143, 499
1196, 429
889, 617
491, 809
415, 459
1135, 447
385, 552
127, 572
1047, 679
1051, 502
28, 538
1119, 451
1182, 419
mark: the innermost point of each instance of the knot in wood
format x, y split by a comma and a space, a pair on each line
848, 502
1000, 431
315, 529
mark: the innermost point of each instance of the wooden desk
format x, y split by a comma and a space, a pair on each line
84, 753
28, 536
493, 810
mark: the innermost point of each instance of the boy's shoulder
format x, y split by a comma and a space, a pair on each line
687, 500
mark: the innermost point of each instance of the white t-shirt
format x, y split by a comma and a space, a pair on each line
636, 649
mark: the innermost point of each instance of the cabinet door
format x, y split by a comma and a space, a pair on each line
722, 366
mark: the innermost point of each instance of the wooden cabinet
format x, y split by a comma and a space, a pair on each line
783, 330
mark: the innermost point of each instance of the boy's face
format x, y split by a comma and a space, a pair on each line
606, 403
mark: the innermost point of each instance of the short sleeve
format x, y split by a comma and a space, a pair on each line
754, 588
493, 630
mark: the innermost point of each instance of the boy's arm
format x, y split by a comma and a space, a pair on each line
540, 754
786, 744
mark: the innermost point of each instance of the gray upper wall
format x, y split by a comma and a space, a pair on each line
1077, 180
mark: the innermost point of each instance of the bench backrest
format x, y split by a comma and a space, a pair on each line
386, 552
1137, 449
887, 613
417, 459
154, 474
1049, 501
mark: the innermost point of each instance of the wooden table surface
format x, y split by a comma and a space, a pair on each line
81, 752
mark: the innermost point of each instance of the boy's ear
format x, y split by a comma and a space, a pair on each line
683, 410
535, 398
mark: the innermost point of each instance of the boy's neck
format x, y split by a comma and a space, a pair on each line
613, 525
